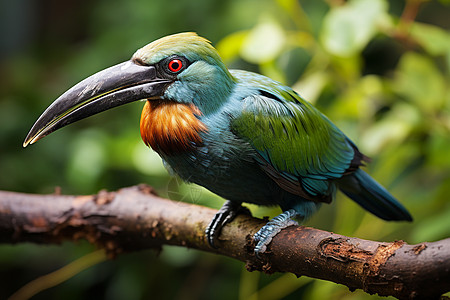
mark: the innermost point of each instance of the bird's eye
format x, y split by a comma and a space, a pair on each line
175, 65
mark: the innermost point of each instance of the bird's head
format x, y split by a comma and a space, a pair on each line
182, 68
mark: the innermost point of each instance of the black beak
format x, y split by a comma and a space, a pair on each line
117, 85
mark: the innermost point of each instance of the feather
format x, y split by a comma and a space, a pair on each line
170, 127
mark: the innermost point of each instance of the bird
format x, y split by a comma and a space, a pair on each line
239, 134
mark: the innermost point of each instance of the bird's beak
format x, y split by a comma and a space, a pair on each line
117, 85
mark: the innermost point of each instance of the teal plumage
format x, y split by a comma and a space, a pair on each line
241, 135
292, 136
267, 145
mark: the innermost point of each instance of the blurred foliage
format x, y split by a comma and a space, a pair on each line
379, 69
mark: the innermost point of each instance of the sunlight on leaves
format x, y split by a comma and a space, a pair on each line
435, 40
230, 46
312, 86
264, 42
348, 28
392, 129
419, 80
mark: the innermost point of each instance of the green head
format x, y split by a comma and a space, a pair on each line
203, 78
183, 67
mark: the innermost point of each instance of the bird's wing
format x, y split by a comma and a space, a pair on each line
297, 146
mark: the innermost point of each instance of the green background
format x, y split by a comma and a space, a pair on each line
378, 69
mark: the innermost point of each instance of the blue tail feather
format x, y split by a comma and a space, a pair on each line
368, 193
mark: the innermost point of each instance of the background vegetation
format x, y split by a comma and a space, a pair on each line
379, 69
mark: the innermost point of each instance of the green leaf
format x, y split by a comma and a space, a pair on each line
230, 46
434, 40
419, 80
357, 102
264, 42
311, 87
288, 5
438, 145
401, 120
348, 28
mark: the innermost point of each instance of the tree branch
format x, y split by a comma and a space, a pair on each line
135, 218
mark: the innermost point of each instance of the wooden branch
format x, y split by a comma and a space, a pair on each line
135, 218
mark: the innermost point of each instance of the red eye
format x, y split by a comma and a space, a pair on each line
175, 65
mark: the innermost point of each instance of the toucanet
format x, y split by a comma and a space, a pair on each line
239, 134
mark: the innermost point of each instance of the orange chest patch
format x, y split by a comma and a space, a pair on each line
171, 127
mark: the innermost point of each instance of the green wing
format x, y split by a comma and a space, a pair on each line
297, 145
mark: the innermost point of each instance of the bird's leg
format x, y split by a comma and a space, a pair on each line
265, 235
225, 215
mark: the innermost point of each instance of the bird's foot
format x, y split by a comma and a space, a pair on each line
265, 235
225, 215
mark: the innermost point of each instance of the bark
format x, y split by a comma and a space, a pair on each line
135, 218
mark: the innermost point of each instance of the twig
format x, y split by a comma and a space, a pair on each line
135, 218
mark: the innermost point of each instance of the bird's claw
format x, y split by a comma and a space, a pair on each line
265, 235
225, 215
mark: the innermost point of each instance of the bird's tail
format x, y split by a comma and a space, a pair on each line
368, 193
